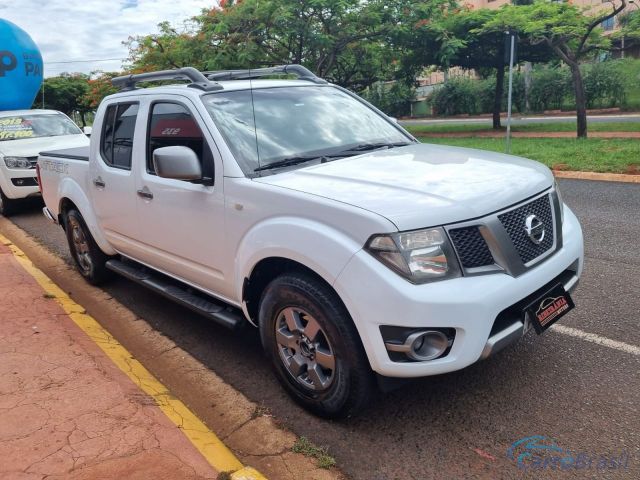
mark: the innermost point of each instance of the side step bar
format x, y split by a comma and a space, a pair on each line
215, 310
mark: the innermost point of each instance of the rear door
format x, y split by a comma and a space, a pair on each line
111, 180
182, 223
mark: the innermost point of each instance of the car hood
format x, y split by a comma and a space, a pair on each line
31, 147
422, 185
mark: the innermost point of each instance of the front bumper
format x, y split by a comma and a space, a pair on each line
375, 296
10, 177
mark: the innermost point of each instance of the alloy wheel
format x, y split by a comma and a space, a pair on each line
304, 349
81, 245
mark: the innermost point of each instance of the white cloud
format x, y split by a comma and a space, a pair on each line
67, 30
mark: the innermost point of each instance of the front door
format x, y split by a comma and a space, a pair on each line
182, 223
111, 183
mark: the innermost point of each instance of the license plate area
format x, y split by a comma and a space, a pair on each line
548, 308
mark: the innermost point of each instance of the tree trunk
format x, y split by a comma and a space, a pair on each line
84, 122
497, 100
581, 100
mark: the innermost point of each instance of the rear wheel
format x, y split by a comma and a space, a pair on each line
314, 347
7, 205
89, 259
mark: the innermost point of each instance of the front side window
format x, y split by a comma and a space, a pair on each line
34, 126
117, 134
270, 125
172, 124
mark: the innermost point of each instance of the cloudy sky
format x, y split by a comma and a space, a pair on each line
70, 30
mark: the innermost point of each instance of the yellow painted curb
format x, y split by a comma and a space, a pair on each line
603, 177
207, 443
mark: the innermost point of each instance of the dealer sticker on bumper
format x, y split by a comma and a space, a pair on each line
549, 308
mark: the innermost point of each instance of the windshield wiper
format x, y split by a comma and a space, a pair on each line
365, 147
289, 161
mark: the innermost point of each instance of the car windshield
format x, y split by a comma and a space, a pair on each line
33, 126
297, 124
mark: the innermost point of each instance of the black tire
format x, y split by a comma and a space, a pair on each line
351, 383
88, 257
7, 205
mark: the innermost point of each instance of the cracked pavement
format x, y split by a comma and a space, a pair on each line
66, 411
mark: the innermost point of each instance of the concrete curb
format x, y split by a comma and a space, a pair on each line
601, 177
242, 426
491, 134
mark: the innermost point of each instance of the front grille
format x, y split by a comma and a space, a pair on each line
471, 247
514, 223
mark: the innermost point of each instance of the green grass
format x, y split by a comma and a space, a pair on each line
528, 127
304, 446
590, 155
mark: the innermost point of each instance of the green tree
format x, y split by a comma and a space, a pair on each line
459, 39
573, 34
353, 43
65, 93
99, 86
168, 49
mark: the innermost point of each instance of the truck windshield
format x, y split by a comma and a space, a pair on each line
297, 124
34, 126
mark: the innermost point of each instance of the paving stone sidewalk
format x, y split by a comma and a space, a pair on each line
66, 411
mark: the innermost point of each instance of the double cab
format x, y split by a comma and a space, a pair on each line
293, 205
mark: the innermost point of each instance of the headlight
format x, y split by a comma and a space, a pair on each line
560, 202
17, 162
420, 256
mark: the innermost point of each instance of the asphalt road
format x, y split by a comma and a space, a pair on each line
521, 120
582, 394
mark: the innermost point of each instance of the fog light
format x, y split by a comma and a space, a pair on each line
422, 346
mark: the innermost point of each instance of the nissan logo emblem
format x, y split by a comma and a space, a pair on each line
534, 228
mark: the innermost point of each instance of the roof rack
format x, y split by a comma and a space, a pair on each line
301, 72
197, 79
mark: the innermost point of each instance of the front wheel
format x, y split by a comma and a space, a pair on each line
90, 260
314, 347
7, 206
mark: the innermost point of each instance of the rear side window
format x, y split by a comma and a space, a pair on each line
117, 135
172, 124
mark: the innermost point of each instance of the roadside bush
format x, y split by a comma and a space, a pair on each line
392, 98
613, 83
604, 85
457, 96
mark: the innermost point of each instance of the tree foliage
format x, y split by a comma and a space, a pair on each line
65, 93
458, 38
572, 33
99, 86
353, 43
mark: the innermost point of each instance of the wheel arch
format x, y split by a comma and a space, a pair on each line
71, 195
267, 270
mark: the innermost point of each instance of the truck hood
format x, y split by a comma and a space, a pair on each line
31, 147
422, 185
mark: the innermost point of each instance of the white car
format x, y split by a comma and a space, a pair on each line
23, 135
297, 207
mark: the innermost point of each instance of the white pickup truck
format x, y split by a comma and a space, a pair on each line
23, 135
297, 207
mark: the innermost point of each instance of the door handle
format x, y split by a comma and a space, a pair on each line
145, 193
98, 182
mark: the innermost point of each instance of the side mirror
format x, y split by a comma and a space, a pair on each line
177, 162
87, 131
